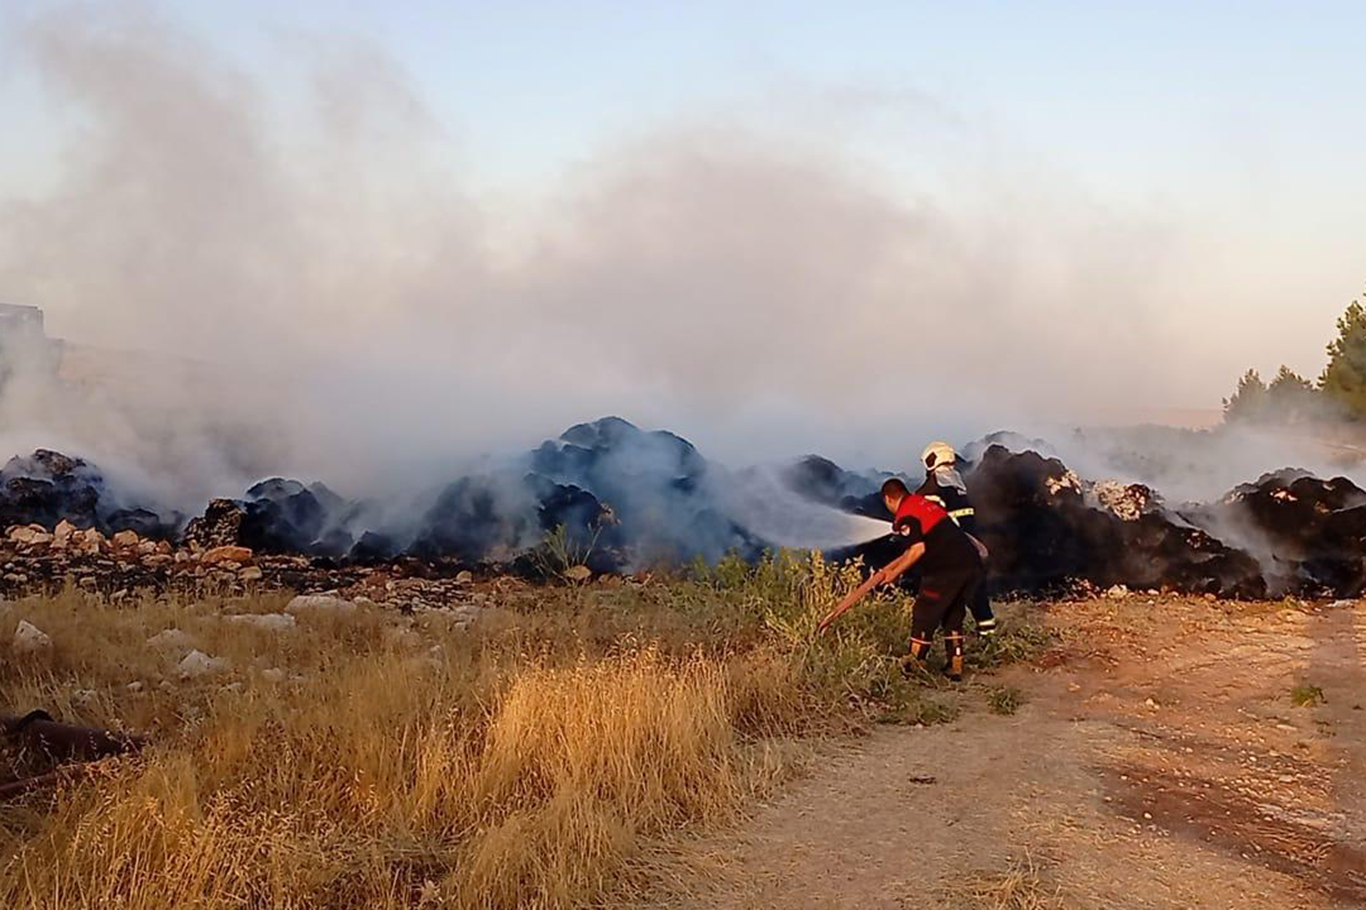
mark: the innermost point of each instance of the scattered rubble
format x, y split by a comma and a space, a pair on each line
319, 605
29, 639
169, 639
197, 664
270, 622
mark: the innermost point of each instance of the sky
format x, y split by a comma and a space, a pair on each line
1084, 209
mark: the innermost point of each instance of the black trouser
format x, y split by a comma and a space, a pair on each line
980, 605
943, 604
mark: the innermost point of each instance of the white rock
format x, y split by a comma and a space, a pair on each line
135, 686
169, 639
63, 531
273, 675
1342, 604
464, 577
29, 639
319, 605
1118, 592
251, 573
273, 622
197, 664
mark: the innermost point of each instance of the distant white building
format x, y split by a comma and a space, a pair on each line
24, 344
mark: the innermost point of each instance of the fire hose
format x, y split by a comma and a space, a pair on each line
75, 746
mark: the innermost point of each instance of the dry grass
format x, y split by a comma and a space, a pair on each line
376, 760
1020, 888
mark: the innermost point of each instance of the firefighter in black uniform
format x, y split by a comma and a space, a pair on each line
951, 563
944, 485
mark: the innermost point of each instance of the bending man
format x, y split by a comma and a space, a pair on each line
951, 569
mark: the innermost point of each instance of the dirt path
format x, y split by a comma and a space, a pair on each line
1159, 761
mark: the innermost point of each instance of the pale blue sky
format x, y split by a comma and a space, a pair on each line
1238, 126
1139, 97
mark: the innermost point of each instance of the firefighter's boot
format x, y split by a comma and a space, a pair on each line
953, 650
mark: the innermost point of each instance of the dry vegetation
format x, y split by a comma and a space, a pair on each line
379, 760
1021, 887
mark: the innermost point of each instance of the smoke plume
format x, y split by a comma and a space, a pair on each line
306, 279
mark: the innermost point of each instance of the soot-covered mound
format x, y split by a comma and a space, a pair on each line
1308, 533
48, 487
1046, 529
615, 497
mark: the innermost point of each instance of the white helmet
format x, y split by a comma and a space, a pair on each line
937, 455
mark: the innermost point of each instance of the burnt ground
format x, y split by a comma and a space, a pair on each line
1161, 759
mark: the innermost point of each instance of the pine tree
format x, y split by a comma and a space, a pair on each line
1344, 379
1249, 403
1290, 398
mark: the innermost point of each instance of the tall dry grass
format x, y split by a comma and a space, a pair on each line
376, 760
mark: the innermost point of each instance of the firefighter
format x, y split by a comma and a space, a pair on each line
951, 568
944, 485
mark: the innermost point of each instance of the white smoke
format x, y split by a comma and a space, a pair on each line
295, 279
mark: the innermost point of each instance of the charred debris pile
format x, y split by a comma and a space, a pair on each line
614, 499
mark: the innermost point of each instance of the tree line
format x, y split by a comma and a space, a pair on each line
1338, 394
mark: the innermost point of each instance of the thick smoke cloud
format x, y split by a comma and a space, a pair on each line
299, 279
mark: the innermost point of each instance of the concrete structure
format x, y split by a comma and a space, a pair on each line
23, 341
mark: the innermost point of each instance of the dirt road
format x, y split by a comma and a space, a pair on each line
1168, 754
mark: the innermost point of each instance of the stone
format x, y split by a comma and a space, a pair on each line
273, 675
319, 605
578, 573
125, 540
226, 556
29, 639
1117, 592
197, 664
271, 622
157, 560
169, 639
64, 531
30, 535
464, 577
251, 573
135, 686
90, 541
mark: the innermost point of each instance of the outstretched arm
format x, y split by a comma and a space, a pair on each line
886, 575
